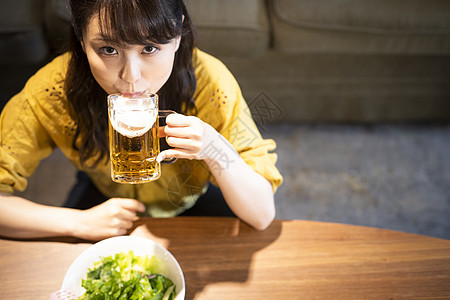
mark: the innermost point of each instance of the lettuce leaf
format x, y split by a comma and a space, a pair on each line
127, 276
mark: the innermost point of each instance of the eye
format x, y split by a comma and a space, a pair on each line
108, 50
149, 49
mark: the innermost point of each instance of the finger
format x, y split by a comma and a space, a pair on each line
132, 205
174, 153
182, 132
127, 215
162, 156
161, 131
125, 224
118, 223
182, 143
178, 120
117, 232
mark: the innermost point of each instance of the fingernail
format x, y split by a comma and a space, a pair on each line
160, 158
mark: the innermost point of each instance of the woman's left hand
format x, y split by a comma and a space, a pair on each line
189, 136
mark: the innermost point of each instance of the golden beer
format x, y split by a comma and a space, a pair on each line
134, 138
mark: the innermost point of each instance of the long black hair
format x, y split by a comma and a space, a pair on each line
125, 22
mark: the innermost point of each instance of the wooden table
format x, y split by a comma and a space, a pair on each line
222, 258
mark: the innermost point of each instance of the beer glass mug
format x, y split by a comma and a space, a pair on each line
134, 137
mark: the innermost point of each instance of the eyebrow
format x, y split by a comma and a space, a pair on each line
100, 38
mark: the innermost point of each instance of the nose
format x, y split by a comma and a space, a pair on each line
131, 71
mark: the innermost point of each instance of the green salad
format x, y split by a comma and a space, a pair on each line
127, 276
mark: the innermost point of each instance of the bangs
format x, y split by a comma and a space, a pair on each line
125, 22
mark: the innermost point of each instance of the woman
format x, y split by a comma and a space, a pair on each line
131, 46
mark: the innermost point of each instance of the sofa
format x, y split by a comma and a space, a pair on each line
295, 60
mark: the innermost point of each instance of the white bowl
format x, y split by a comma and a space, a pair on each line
140, 246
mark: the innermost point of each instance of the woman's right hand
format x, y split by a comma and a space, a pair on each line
111, 218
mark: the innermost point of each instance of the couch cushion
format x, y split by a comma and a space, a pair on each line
345, 88
57, 23
231, 27
22, 40
353, 26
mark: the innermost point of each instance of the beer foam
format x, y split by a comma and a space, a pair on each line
133, 123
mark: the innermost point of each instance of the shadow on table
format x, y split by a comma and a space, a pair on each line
217, 254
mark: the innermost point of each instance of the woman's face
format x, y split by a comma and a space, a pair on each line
131, 69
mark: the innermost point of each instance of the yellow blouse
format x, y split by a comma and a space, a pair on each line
37, 120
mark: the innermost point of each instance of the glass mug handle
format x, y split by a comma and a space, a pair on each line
162, 114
